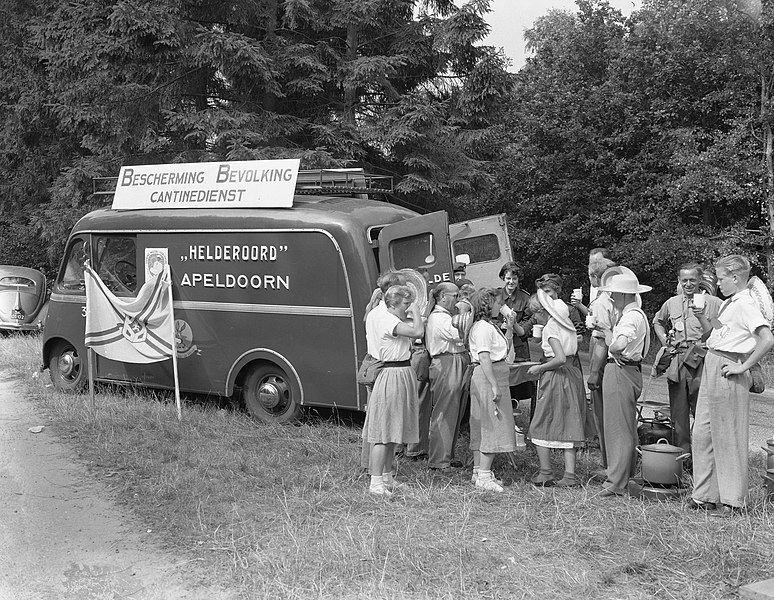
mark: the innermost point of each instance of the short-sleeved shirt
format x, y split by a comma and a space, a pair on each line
440, 335
634, 327
566, 338
372, 337
485, 337
391, 347
740, 318
676, 315
604, 312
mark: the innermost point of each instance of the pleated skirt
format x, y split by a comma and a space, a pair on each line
392, 416
560, 412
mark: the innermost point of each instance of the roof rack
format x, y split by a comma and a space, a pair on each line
309, 182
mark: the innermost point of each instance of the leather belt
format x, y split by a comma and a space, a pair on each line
448, 354
626, 363
396, 363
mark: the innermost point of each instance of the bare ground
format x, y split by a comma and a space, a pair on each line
62, 535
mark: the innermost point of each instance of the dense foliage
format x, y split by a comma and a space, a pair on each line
645, 135
398, 86
649, 134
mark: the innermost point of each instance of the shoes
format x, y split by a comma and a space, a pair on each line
474, 478
727, 511
699, 505
442, 470
489, 484
417, 457
543, 480
609, 493
380, 490
568, 481
456, 463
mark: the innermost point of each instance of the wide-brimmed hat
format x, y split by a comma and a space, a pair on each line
557, 309
622, 280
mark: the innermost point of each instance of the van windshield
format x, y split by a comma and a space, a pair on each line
116, 264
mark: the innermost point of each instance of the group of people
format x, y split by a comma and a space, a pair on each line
464, 343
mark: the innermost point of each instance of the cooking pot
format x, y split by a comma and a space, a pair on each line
768, 479
769, 454
662, 463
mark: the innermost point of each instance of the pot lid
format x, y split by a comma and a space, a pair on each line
663, 446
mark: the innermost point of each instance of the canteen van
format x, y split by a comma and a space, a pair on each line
268, 303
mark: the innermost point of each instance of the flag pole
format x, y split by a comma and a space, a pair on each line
90, 363
174, 344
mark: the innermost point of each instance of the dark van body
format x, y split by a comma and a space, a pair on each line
267, 301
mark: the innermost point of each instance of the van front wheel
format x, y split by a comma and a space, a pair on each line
66, 370
269, 396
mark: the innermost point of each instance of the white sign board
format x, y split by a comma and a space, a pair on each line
239, 184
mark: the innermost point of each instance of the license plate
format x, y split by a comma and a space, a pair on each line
18, 315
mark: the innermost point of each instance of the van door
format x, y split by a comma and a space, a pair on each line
420, 243
488, 246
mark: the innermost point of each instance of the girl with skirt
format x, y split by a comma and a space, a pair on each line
740, 336
491, 418
561, 403
392, 416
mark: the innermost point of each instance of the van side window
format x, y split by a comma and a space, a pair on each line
482, 248
413, 252
116, 264
72, 278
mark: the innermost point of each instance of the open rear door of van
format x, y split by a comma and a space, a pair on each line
486, 243
420, 243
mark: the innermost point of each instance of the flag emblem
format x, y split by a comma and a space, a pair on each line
133, 330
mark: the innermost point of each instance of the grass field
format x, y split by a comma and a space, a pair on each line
282, 512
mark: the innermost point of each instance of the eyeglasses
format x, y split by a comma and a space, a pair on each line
450, 294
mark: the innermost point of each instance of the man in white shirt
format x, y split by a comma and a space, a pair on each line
628, 344
449, 362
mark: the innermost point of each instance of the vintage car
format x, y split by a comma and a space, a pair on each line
23, 304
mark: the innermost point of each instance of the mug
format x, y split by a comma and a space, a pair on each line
537, 331
699, 300
591, 321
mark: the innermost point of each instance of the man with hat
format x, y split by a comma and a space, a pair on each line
449, 361
628, 343
460, 267
680, 331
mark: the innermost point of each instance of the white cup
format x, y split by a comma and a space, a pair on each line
699, 300
537, 332
577, 294
591, 321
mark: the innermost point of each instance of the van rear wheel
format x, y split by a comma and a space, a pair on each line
66, 370
269, 396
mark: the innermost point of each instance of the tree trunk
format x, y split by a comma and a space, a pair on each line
768, 151
350, 90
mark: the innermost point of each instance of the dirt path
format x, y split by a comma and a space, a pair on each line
61, 535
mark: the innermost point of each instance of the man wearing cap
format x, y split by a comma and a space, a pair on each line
449, 362
459, 274
628, 343
679, 330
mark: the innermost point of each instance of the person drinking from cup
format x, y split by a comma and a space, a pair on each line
600, 318
628, 343
391, 417
740, 337
560, 410
448, 365
680, 331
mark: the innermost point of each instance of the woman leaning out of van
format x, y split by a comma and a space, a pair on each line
491, 418
392, 408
